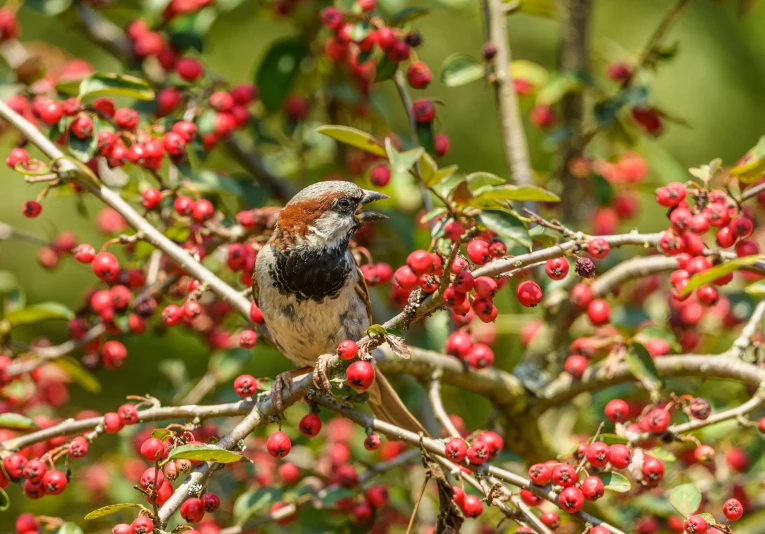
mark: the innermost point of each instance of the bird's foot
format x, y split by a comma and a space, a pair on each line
320, 378
283, 381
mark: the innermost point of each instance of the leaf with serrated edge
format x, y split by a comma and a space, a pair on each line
685, 498
353, 137
110, 509
205, 453
718, 271
642, 366
614, 481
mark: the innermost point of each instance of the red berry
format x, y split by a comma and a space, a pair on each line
379, 175
478, 251
142, 525
419, 76
153, 449
695, 525
172, 315
17, 155
657, 420
84, 253
112, 423
571, 500
620, 456
617, 410
575, 365
550, 519
189, 69
150, 198
193, 510
598, 248
82, 127
557, 268
441, 145
377, 496
599, 312
245, 386
54, 482
581, 295
347, 350
485, 287
424, 111
360, 375
598, 454
472, 506
126, 118
256, 316
26, 523
202, 210
747, 247
593, 488
310, 425
174, 143
278, 444
707, 295
113, 354
564, 475
105, 266
247, 339
34, 470
128, 413
78, 447
653, 470
372, 442
529, 293
211, 502
540, 474
480, 356
456, 450
530, 498
31, 209
484, 309
543, 116
733, 510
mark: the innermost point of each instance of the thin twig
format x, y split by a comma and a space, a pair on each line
434, 395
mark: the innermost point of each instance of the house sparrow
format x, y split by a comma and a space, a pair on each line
312, 293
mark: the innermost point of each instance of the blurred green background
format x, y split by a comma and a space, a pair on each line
716, 84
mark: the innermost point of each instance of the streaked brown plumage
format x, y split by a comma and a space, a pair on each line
311, 291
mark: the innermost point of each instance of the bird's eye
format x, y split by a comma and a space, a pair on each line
343, 204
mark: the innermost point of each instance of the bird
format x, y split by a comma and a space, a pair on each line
312, 293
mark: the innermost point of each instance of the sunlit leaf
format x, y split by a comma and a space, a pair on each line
718, 271
461, 69
110, 509
50, 8
515, 193
116, 85
614, 481
401, 162
557, 88
476, 180
531, 72
685, 498
662, 454
17, 421
353, 137
5, 501
69, 528
205, 453
79, 374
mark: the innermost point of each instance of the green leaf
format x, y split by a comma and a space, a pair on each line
685, 498
614, 481
110, 509
709, 518
401, 162
529, 71
8, 281
752, 165
50, 8
662, 454
641, 365
604, 191
611, 439
205, 453
69, 528
353, 137
79, 374
386, 69
477, 180
360, 31
5, 502
116, 85
254, 502
426, 137
228, 364
435, 212
17, 422
756, 289
506, 224
557, 88
38, 312
278, 70
653, 331
375, 330
430, 173
336, 494
408, 14
461, 69
718, 271
545, 237
514, 193
206, 182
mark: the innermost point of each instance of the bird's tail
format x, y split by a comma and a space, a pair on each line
387, 406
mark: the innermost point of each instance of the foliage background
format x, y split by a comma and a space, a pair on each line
715, 83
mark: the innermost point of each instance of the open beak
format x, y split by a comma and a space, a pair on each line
371, 216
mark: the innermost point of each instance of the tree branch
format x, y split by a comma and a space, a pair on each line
516, 149
46, 354
434, 395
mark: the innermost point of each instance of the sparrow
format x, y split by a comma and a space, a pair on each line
312, 293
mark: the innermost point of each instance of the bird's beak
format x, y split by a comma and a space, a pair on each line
371, 216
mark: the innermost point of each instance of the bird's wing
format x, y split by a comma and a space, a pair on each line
363, 292
255, 287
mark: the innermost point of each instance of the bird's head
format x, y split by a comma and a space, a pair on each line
325, 214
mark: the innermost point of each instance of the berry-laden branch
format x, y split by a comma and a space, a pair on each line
437, 448
131, 216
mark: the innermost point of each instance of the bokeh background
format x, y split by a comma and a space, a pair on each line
715, 83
